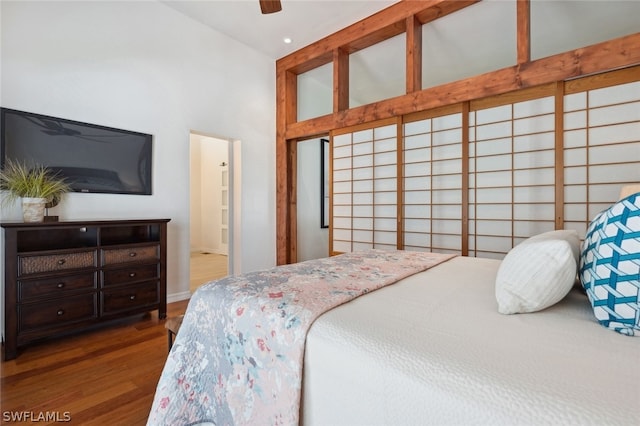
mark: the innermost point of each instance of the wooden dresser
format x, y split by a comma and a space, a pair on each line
62, 277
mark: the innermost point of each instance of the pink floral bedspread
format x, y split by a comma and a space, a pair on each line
239, 354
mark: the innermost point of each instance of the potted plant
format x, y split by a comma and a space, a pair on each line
37, 186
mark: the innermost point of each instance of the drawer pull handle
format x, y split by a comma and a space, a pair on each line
60, 285
61, 262
132, 254
60, 312
132, 274
133, 297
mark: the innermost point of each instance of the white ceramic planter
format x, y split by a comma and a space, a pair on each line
33, 209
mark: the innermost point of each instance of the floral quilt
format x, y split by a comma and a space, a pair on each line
239, 354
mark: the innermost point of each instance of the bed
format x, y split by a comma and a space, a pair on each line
460, 341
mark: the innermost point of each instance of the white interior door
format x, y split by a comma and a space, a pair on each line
224, 208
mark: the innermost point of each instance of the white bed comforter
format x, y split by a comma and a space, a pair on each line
433, 349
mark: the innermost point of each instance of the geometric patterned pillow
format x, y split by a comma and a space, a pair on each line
609, 267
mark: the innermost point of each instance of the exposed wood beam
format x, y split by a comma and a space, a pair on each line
523, 30
405, 16
618, 53
292, 196
270, 6
559, 155
414, 55
383, 25
442, 9
286, 113
464, 205
340, 80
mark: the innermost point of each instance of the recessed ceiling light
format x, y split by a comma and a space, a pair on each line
287, 40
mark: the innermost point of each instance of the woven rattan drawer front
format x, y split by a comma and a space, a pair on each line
130, 254
56, 262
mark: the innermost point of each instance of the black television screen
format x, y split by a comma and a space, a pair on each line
92, 158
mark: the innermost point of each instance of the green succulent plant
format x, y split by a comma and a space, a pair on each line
21, 181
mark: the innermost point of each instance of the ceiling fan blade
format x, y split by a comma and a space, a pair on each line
270, 6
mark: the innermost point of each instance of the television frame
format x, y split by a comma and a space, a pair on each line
144, 174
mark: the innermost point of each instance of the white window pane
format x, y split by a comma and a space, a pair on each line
534, 159
615, 94
527, 229
417, 155
386, 145
363, 136
342, 246
493, 147
363, 173
491, 115
447, 197
363, 186
363, 148
417, 197
534, 212
534, 194
342, 152
341, 140
534, 107
493, 195
417, 127
417, 211
495, 162
417, 225
544, 123
493, 227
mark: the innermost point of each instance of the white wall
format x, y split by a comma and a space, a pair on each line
142, 66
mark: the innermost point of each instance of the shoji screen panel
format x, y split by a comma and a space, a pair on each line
432, 183
511, 174
601, 149
364, 188
540, 158
341, 199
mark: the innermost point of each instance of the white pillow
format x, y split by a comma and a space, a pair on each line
538, 272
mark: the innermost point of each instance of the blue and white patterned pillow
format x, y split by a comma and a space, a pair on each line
610, 266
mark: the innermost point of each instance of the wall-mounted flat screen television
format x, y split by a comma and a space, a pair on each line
92, 158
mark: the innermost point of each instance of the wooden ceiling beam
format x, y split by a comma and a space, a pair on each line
605, 56
286, 85
340, 80
408, 16
443, 9
381, 26
523, 31
414, 55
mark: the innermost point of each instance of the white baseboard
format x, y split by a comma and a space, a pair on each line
176, 297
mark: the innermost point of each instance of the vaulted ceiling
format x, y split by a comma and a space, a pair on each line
303, 21
477, 39
307, 21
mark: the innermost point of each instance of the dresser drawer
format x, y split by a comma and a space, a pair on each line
130, 254
56, 262
55, 312
131, 298
129, 274
55, 286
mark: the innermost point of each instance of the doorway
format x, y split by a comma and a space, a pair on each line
210, 208
312, 184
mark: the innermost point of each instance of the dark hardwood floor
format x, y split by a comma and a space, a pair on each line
105, 376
